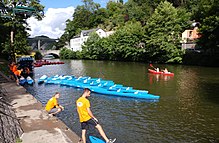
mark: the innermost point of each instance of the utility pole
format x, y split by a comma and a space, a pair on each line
12, 46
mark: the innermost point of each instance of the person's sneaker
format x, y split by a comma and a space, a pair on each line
51, 115
112, 140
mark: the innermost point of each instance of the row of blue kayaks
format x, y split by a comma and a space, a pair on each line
98, 85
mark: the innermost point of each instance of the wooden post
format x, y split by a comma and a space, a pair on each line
12, 46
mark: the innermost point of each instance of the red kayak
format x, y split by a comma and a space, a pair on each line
160, 72
38, 65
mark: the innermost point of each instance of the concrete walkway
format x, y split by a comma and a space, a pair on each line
37, 125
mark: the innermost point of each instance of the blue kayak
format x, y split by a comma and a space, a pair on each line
101, 86
132, 93
29, 80
95, 140
42, 79
22, 81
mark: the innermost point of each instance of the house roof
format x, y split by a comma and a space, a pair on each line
87, 32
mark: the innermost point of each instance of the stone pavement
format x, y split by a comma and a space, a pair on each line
37, 125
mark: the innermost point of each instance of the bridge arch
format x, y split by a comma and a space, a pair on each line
55, 53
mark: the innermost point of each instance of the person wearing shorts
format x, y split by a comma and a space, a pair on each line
52, 106
87, 118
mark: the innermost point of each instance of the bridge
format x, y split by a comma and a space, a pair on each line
45, 45
41, 42
55, 53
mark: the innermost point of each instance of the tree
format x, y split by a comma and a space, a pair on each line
143, 10
89, 49
87, 16
13, 23
125, 42
163, 31
116, 15
209, 26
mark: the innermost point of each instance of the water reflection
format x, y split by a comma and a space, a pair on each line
158, 78
184, 112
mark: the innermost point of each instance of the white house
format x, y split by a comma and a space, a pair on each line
77, 41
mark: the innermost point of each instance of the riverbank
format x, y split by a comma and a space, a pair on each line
29, 115
201, 59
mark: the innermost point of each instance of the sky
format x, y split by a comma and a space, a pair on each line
56, 13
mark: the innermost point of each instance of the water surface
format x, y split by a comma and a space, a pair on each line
188, 109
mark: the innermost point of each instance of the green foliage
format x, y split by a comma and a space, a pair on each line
116, 13
38, 55
87, 16
163, 30
89, 49
66, 53
18, 140
124, 44
12, 24
209, 26
145, 30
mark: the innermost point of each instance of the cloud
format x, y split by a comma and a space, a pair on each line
53, 24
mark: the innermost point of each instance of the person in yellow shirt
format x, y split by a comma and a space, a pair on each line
87, 118
52, 106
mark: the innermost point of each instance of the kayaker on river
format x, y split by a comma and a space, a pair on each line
87, 118
165, 70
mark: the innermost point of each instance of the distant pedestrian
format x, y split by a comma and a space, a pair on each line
87, 118
52, 106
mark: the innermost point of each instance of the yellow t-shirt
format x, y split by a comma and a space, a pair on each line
82, 105
51, 104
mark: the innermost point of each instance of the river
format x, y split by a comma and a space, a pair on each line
188, 109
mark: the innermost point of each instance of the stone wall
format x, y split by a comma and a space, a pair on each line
10, 129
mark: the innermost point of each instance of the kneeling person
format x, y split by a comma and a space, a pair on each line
52, 106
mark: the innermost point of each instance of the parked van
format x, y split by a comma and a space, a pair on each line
26, 61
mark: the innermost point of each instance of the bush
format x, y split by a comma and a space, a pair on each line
66, 53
